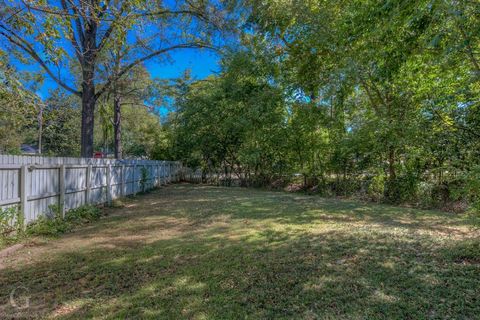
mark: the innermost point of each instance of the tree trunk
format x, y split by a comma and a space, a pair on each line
117, 125
89, 98
88, 110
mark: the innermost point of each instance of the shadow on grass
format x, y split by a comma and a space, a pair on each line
303, 209
237, 270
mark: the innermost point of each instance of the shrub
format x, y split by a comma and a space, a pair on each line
441, 193
54, 224
425, 192
344, 187
50, 224
471, 191
10, 224
144, 179
84, 214
376, 187
402, 189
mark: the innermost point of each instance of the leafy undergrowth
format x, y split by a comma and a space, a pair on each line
199, 252
51, 227
57, 225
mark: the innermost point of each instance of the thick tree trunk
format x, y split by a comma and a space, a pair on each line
88, 112
89, 99
117, 125
117, 111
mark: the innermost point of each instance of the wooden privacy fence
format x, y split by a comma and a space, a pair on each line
34, 184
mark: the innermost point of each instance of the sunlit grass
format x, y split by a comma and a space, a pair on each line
200, 252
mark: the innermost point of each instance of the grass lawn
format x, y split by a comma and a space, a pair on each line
199, 252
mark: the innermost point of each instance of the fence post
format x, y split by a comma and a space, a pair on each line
61, 200
123, 181
23, 196
109, 184
88, 184
134, 179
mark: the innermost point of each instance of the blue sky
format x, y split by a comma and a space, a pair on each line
202, 63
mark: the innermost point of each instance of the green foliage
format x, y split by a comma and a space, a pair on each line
471, 192
54, 224
376, 187
61, 132
141, 130
84, 214
232, 124
402, 189
338, 92
17, 107
10, 224
144, 179
376, 99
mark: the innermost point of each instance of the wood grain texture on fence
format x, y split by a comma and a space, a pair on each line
35, 184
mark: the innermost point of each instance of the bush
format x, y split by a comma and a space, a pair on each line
425, 195
10, 224
471, 191
344, 187
144, 179
441, 193
376, 187
402, 189
54, 224
85, 214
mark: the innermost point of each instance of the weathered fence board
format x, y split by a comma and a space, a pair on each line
35, 184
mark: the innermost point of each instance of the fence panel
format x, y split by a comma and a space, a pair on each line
35, 184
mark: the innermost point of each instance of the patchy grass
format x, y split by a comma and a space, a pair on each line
203, 252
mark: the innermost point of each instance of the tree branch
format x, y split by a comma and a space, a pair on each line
111, 28
78, 22
25, 46
129, 66
73, 39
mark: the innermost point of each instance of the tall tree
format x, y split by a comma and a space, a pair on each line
50, 32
